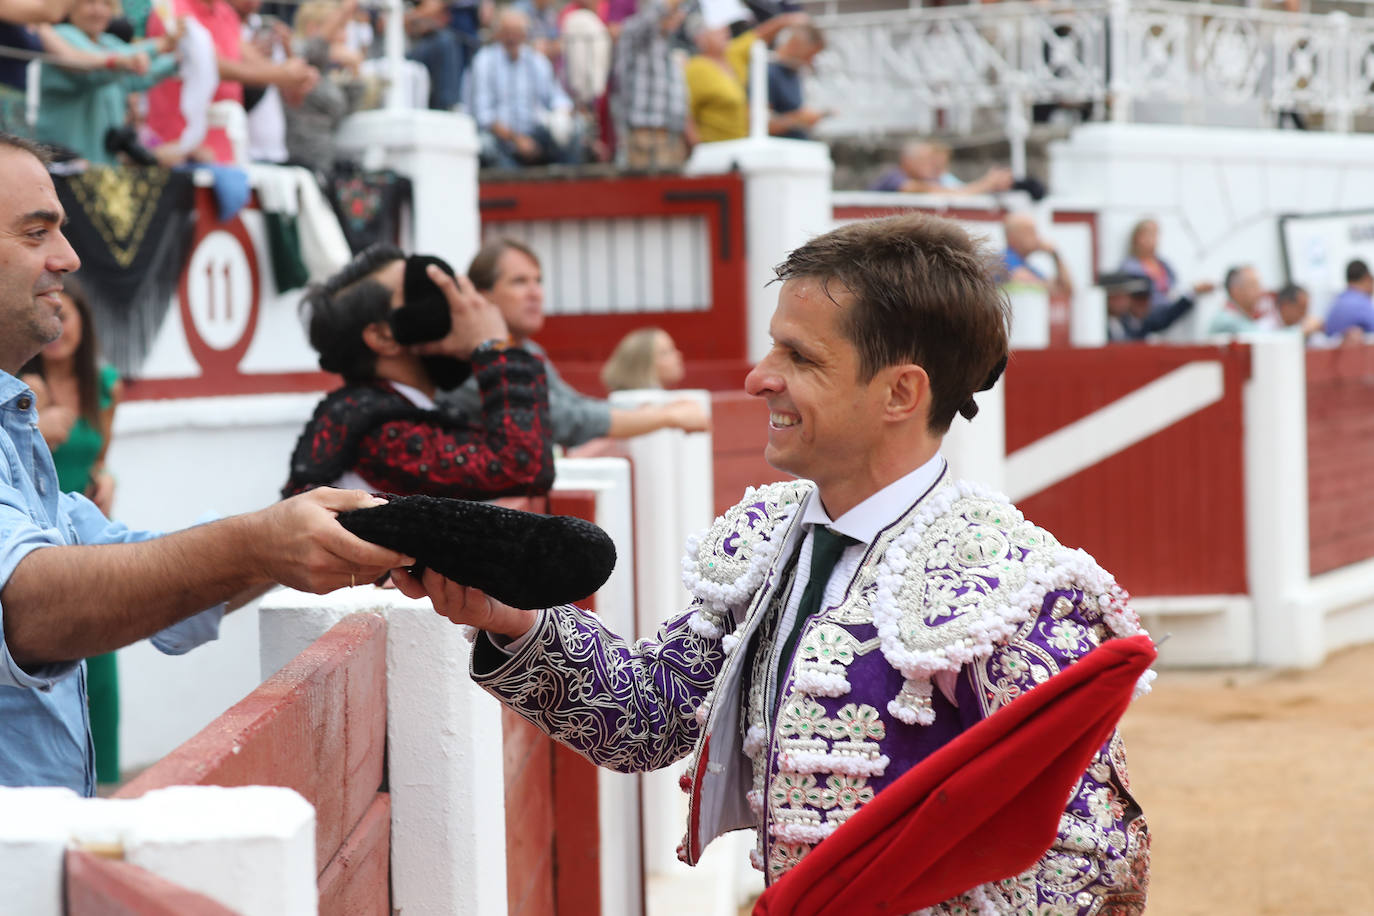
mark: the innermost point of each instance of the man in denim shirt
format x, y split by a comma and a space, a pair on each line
58, 606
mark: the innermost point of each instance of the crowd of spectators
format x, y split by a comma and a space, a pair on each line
637, 82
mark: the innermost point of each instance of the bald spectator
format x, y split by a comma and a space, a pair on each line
1244, 303
924, 169
514, 98
796, 49
1023, 240
1353, 308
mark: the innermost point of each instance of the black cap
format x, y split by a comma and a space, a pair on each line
1133, 284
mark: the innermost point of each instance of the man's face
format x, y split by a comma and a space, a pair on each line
519, 293
1246, 290
822, 420
1293, 311
33, 257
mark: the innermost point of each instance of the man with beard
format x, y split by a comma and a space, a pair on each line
74, 584
399, 330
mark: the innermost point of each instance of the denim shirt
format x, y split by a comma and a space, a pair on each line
45, 737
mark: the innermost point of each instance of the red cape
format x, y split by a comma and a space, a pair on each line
982, 808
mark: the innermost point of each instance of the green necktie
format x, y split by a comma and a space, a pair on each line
826, 547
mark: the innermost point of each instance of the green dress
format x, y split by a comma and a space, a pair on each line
74, 459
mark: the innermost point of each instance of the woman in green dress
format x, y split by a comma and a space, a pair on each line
76, 397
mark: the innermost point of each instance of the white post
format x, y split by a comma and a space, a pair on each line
437, 151
251, 848
618, 794
444, 748
1288, 633
395, 55
758, 89
977, 449
787, 202
1119, 85
1348, 84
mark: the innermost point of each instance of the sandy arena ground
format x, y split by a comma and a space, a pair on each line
1259, 788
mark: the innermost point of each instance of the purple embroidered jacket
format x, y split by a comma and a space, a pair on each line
958, 607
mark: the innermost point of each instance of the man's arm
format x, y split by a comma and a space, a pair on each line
63, 603
291, 75
627, 706
686, 415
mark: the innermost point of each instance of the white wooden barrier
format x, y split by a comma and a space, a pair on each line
250, 848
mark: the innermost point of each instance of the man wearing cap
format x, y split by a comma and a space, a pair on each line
845, 626
1130, 314
74, 584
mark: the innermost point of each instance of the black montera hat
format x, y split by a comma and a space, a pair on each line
521, 558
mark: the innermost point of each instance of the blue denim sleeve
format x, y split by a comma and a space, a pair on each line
20, 535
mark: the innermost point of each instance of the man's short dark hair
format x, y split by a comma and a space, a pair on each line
1290, 293
341, 307
1231, 276
1356, 271
922, 292
484, 270
36, 150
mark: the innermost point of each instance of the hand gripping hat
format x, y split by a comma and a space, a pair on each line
521, 558
982, 808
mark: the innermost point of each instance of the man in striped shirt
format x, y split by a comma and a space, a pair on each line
651, 89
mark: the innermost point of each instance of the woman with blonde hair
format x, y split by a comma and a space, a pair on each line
646, 358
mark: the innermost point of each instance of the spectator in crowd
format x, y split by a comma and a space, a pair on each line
1244, 303
1130, 314
1353, 308
466, 19
1291, 314
718, 77
924, 169
1024, 240
382, 430
236, 63
75, 584
586, 55
76, 396
269, 39
1142, 258
312, 124
27, 25
523, 116
86, 111
439, 49
651, 94
716, 95
646, 358
797, 47
508, 274
543, 18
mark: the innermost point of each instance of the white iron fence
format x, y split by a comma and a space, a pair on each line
949, 69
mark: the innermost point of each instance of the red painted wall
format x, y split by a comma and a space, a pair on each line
1166, 516
1340, 456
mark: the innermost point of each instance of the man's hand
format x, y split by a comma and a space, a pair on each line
1203, 287
474, 318
135, 63
525, 147
296, 77
688, 416
465, 605
101, 490
302, 545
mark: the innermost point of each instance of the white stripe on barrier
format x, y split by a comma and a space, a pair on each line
1114, 428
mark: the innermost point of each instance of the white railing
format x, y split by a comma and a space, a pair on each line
919, 70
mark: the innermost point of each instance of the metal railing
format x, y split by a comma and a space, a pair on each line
946, 69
